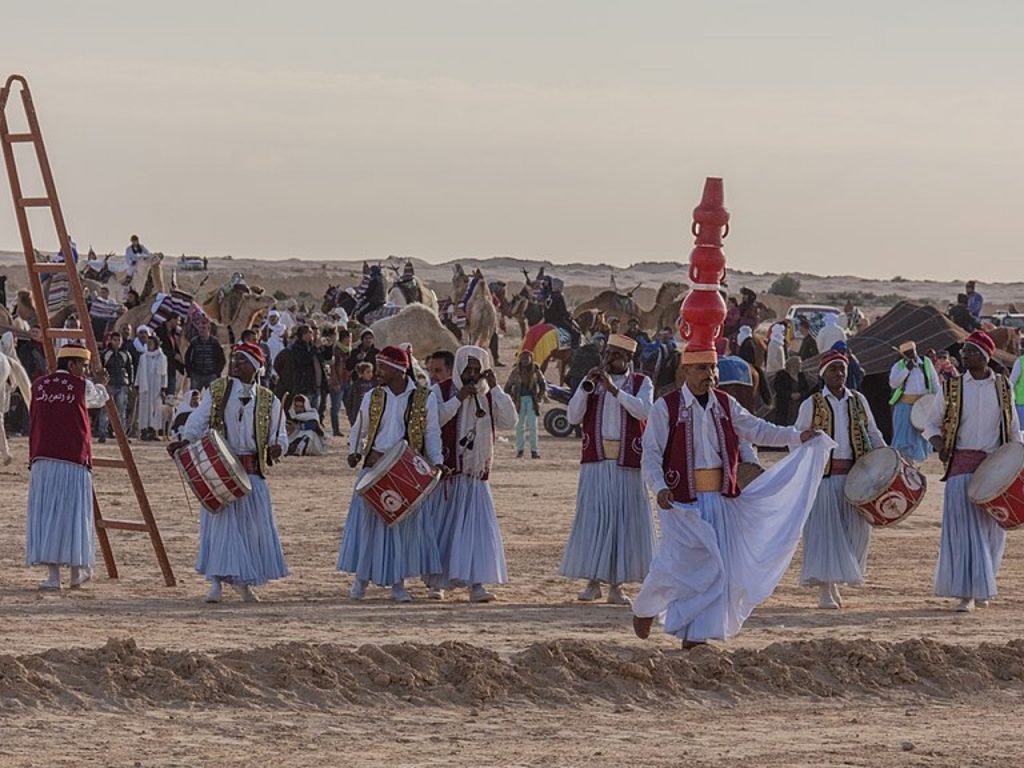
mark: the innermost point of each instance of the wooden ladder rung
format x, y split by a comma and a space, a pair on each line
21, 137
64, 333
35, 202
123, 525
39, 267
99, 461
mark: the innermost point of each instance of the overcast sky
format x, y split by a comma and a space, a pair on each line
873, 138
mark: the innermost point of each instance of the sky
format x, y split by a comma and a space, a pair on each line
870, 138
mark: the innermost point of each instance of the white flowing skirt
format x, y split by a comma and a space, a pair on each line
468, 535
719, 557
240, 544
612, 537
60, 529
970, 547
372, 551
836, 538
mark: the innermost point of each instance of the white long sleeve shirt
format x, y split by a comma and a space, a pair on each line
638, 406
980, 416
239, 421
392, 424
707, 452
913, 381
841, 421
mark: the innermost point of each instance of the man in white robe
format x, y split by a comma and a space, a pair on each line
151, 382
612, 538
910, 378
469, 539
722, 552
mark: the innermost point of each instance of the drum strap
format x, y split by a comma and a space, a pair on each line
953, 394
824, 419
415, 418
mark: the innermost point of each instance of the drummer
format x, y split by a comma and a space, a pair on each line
240, 545
910, 378
836, 536
974, 417
398, 409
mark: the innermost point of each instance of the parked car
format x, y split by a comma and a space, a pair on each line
814, 313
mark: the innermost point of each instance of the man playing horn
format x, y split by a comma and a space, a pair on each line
910, 378
836, 536
239, 545
612, 537
974, 416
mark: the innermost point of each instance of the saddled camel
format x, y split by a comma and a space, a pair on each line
665, 311
481, 314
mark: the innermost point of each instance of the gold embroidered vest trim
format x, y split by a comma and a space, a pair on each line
415, 419
824, 420
953, 397
219, 391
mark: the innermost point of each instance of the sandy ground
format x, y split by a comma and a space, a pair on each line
130, 672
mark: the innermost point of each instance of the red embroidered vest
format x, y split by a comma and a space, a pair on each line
451, 429
60, 421
678, 463
631, 434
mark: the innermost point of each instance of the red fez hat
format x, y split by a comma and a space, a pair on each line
982, 341
253, 352
396, 357
832, 356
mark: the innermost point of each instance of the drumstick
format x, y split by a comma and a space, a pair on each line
280, 418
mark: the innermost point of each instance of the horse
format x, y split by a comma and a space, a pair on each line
335, 296
474, 297
738, 378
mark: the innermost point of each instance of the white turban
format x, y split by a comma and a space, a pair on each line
744, 334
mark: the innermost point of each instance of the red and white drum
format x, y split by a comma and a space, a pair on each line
997, 486
884, 487
213, 473
398, 483
919, 411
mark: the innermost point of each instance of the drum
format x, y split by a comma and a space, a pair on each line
919, 411
884, 487
398, 483
213, 473
997, 486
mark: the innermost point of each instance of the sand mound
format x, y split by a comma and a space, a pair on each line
120, 675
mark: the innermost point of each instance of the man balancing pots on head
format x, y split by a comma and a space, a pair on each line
721, 552
973, 418
239, 545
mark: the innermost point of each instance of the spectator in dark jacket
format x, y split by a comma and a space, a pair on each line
307, 367
117, 362
364, 353
204, 360
169, 335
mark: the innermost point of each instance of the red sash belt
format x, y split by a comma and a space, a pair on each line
249, 464
966, 462
841, 466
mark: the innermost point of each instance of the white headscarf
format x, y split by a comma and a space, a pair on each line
185, 406
477, 461
744, 334
778, 334
831, 320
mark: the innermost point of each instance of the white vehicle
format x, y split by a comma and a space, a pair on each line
814, 314
191, 264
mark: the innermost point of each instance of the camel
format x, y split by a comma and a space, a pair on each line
401, 296
665, 311
235, 310
1007, 339
419, 326
481, 314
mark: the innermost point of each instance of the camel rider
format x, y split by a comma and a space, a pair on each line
374, 296
557, 313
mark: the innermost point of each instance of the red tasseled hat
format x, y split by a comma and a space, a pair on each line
982, 341
253, 352
396, 357
832, 356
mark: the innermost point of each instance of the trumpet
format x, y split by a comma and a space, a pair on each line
589, 384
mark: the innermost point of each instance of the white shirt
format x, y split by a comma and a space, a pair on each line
913, 381
392, 424
980, 416
841, 421
707, 452
239, 420
638, 406
131, 257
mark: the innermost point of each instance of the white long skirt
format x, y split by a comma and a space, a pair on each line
970, 547
612, 537
60, 529
240, 544
719, 557
373, 551
150, 411
468, 535
836, 538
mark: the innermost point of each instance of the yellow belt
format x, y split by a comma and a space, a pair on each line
708, 480
910, 399
611, 449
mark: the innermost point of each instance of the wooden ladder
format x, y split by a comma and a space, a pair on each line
68, 267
